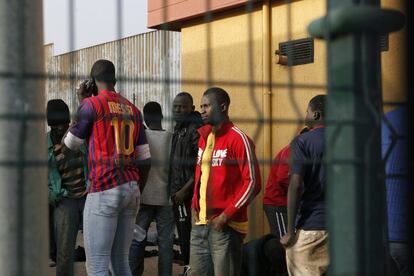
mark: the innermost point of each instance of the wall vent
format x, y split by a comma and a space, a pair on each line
384, 43
300, 51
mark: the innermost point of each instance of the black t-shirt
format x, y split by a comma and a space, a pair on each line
307, 151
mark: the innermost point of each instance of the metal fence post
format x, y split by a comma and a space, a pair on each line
23, 183
355, 189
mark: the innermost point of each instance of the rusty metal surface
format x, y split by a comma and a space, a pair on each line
145, 63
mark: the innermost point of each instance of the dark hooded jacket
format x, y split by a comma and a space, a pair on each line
184, 150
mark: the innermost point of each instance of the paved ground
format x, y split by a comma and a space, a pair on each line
151, 264
150, 268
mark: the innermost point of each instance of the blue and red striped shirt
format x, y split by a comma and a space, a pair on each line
115, 136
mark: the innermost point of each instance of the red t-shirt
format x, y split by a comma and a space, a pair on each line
278, 181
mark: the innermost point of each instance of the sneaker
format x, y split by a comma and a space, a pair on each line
187, 268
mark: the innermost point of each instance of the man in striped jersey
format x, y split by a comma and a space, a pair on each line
119, 161
68, 184
226, 181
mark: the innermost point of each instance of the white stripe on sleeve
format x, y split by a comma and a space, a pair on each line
252, 182
73, 142
143, 152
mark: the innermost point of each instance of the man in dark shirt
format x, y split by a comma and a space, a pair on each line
306, 241
184, 150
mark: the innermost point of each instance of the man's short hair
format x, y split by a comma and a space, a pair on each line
317, 104
153, 108
57, 112
219, 93
185, 94
103, 70
152, 112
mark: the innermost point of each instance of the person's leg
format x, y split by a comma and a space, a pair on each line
182, 215
277, 218
186, 232
125, 229
66, 218
165, 226
226, 251
399, 253
52, 242
100, 219
309, 255
200, 258
137, 250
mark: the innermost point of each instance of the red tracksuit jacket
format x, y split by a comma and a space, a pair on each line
234, 178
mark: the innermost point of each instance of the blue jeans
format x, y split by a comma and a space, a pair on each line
215, 253
164, 218
109, 218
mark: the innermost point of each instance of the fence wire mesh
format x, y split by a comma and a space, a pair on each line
236, 47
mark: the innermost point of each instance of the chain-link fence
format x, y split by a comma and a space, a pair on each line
272, 57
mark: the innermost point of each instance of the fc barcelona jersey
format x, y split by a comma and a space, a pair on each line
113, 129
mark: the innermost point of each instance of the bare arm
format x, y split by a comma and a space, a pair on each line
293, 201
144, 167
295, 185
186, 191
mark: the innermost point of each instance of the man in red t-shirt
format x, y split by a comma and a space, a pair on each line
118, 162
275, 197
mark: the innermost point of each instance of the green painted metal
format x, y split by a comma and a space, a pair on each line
355, 189
356, 19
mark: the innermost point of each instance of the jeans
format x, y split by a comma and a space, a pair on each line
399, 253
165, 227
67, 217
109, 218
215, 253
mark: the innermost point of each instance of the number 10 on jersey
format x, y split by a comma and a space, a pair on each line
124, 135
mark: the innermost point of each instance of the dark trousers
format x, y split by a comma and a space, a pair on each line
52, 242
67, 216
182, 214
164, 218
277, 217
399, 253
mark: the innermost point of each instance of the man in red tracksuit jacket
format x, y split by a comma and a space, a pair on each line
227, 179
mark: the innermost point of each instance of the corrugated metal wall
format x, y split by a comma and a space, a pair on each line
144, 65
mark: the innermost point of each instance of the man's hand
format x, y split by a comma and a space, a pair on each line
180, 196
194, 216
220, 222
288, 240
82, 92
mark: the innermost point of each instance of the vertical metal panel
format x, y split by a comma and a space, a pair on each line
145, 63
